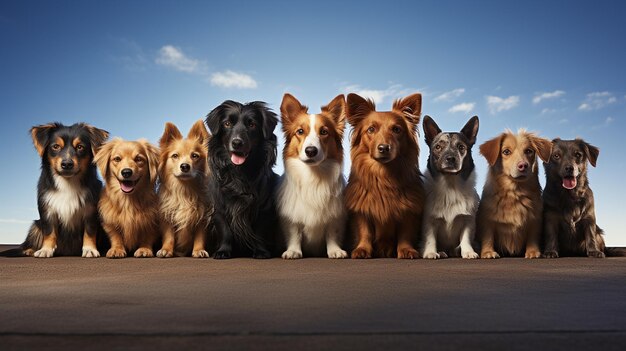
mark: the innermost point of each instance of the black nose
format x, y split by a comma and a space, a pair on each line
310, 151
127, 172
569, 169
384, 148
236, 143
450, 159
67, 165
185, 167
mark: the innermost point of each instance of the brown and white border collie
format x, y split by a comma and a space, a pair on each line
310, 195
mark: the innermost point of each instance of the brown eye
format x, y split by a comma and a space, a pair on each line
175, 156
461, 147
578, 155
371, 129
556, 157
228, 124
529, 151
80, 147
195, 156
251, 125
56, 147
437, 147
138, 159
323, 131
506, 152
117, 159
396, 129
300, 131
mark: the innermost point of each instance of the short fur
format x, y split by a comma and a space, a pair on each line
129, 206
385, 194
570, 227
183, 191
310, 196
67, 192
509, 215
242, 153
451, 197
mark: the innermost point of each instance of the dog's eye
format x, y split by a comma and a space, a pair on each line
195, 156
529, 151
138, 159
80, 147
371, 129
461, 147
174, 156
251, 125
556, 157
117, 159
437, 147
578, 155
300, 131
506, 152
56, 147
396, 129
323, 131
228, 124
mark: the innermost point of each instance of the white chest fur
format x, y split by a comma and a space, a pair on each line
67, 202
450, 196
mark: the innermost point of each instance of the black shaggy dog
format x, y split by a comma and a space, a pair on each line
242, 152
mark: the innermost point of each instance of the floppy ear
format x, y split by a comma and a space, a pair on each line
102, 157
290, 108
410, 107
358, 108
491, 149
592, 152
215, 116
270, 119
337, 110
41, 136
152, 153
431, 129
470, 130
198, 131
543, 147
97, 137
170, 134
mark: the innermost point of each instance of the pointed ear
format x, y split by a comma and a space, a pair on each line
97, 137
152, 153
41, 136
542, 146
337, 110
358, 108
470, 130
198, 131
410, 107
102, 157
170, 134
592, 152
290, 108
491, 149
431, 129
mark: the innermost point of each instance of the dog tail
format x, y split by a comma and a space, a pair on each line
33, 242
17, 252
615, 251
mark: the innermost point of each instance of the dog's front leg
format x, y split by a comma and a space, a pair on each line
169, 242
467, 236
592, 246
334, 238
293, 236
486, 242
533, 231
225, 248
89, 236
199, 241
429, 240
362, 231
117, 249
49, 243
551, 235
407, 237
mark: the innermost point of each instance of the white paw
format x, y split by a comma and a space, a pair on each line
44, 252
469, 254
431, 255
339, 253
199, 254
292, 254
164, 253
90, 252
143, 252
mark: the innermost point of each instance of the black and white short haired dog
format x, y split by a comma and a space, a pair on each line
242, 153
451, 197
68, 191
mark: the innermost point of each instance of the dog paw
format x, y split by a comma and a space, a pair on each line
551, 254
44, 252
163, 253
361, 253
408, 253
337, 254
431, 255
292, 254
261, 254
90, 252
116, 253
200, 254
28, 252
222, 255
469, 255
489, 254
596, 254
142, 252
533, 254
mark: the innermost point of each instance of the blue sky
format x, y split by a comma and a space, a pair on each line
555, 67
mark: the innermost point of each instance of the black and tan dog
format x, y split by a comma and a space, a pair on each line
568, 206
68, 191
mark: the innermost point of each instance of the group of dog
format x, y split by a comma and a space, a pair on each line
218, 193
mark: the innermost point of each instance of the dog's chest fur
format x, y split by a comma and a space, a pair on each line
66, 203
449, 196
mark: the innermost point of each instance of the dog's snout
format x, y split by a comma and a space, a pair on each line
450, 159
522, 166
384, 148
185, 167
569, 170
236, 143
67, 164
310, 151
127, 173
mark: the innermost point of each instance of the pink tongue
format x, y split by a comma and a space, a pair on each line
236, 159
569, 183
127, 187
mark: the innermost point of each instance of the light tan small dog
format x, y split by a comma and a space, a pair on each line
183, 191
128, 206
509, 219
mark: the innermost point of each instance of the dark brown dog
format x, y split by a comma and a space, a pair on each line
569, 215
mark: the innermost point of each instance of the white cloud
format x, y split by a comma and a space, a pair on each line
563, 120
497, 104
597, 100
609, 120
545, 96
378, 96
450, 95
230, 79
546, 111
462, 107
13, 220
173, 57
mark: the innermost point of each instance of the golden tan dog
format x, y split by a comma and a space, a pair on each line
128, 205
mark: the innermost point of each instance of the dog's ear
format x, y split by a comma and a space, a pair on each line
591, 151
41, 135
490, 149
410, 107
102, 157
170, 134
358, 108
431, 129
152, 153
337, 110
270, 119
542, 146
214, 118
97, 137
198, 131
290, 108
470, 130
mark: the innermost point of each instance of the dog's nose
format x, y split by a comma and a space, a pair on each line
384, 148
236, 143
569, 169
67, 165
522, 166
450, 159
185, 167
127, 172
310, 151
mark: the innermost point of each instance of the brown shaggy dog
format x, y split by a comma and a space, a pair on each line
129, 206
183, 191
509, 216
385, 194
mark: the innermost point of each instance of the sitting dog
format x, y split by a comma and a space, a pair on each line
68, 191
310, 196
509, 218
385, 194
568, 206
451, 197
242, 152
183, 191
129, 206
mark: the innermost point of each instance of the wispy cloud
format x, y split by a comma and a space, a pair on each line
497, 104
128, 54
13, 220
378, 95
173, 57
231, 79
466, 107
607, 122
546, 96
449, 95
546, 111
597, 100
